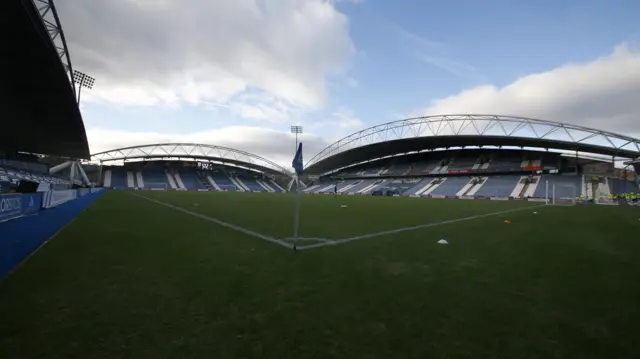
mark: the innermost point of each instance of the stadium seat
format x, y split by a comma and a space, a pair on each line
451, 186
498, 186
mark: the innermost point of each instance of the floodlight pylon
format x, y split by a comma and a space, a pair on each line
83, 80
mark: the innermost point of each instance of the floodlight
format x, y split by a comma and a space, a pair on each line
82, 80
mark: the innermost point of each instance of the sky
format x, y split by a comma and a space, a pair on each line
239, 73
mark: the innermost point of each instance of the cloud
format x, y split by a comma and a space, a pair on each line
345, 119
351, 82
436, 54
455, 67
277, 146
338, 124
601, 93
263, 108
147, 53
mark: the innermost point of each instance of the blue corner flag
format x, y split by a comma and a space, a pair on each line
297, 160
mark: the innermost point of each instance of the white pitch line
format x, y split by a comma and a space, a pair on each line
310, 239
219, 222
412, 228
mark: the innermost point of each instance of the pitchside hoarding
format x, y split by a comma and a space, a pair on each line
18, 205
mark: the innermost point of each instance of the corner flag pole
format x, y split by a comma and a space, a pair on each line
297, 165
296, 217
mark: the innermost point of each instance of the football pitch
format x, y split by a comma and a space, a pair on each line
213, 275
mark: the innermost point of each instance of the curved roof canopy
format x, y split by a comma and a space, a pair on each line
193, 151
444, 131
37, 96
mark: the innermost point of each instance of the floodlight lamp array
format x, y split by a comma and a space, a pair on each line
83, 79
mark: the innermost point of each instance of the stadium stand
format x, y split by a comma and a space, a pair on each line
154, 177
563, 185
505, 162
250, 183
159, 175
41, 121
499, 174
42, 135
462, 161
478, 166
14, 176
119, 179
189, 166
417, 186
190, 179
451, 186
362, 185
399, 169
498, 186
274, 185
223, 181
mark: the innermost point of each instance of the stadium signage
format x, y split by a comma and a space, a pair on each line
205, 166
18, 205
9, 204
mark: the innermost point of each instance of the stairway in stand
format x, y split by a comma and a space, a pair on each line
204, 181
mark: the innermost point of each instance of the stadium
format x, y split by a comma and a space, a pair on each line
469, 156
450, 235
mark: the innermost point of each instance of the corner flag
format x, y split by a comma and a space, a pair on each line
297, 160
298, 166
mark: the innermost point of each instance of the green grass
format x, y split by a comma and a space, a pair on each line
133, 279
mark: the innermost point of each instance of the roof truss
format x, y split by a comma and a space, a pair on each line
189, 150
51, 22
479, 125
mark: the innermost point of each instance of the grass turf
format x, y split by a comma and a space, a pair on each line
131, 278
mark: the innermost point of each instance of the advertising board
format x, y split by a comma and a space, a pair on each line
18, 205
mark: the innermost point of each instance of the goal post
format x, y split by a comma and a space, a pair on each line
561, 194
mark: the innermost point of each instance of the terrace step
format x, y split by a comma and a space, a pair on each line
130, 182
172, 181
213, 183
107, 179
179, 181
140, 179
519, 189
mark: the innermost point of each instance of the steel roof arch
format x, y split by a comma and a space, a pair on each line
190, 150
39, 107
470, 125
